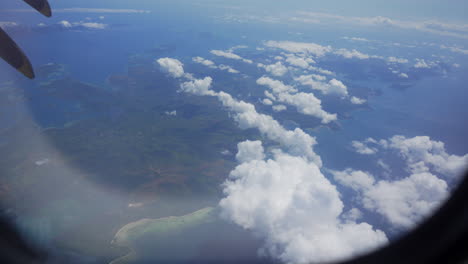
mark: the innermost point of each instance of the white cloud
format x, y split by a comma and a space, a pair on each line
173, 67
422, 64
299, 47
357, 180
230, 55
455, 49
402, 202
267, 101
403, 75
321, 71
279, 108
270, 95
295, 209
212, 65
100, 10
308, 104
277, 69
299, 61
362, 148
384, 166
249, 151
227, 68
357, 101
93, 25
237, 47
65, 24
356, 39
428, 26
405, 201
171, 113
397, 60
353, 215
431, 153
296, 141
305, 103
87, 25
349, 54
204, 62
42, 162
198, 86
226, 152
420, 153
275, 85
316, 82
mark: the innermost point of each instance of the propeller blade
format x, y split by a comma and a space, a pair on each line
40, 5
12, 54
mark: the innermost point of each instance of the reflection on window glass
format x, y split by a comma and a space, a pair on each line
189, 131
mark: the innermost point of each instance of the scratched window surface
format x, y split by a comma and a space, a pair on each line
190, 131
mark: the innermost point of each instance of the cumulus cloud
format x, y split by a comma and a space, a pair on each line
93, 25
171, 113
275, 85
357, 101
65, 24
320, 70
403, 202
296, 141
422, 154
249, 151
78, 25
362, 148
422, 64
299, 47
173, 67
298, 61
350, 54
227, 68
357, 180
198, 86
317, 82
267, 101
305, 103
277, 69
279, 108
203, 61
212, 65
230, 55
295, 209
397, 60
403, 75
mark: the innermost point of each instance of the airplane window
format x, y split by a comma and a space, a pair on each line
228, 131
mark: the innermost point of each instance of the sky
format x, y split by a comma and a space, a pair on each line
453, 10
